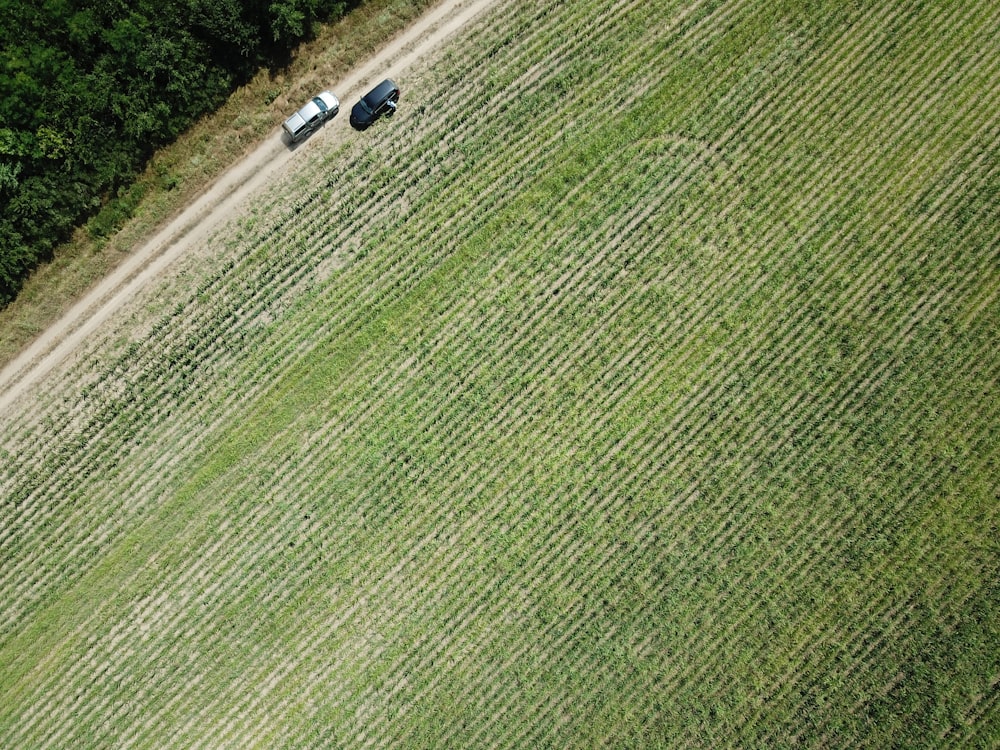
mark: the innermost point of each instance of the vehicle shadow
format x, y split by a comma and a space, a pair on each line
292, 144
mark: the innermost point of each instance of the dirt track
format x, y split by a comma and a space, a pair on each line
219, 203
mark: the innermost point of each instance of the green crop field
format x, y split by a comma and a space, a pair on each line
636, 385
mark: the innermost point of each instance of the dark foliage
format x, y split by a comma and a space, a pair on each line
90, 88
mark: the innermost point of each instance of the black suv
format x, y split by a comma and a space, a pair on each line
381, 100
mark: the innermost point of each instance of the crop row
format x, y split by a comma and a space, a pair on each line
586, 409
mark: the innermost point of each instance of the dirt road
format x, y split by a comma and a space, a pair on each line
219, 203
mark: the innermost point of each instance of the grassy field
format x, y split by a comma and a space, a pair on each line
635, 386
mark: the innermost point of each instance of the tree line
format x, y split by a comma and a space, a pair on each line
89, 89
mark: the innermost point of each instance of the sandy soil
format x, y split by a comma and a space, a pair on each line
221, 202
